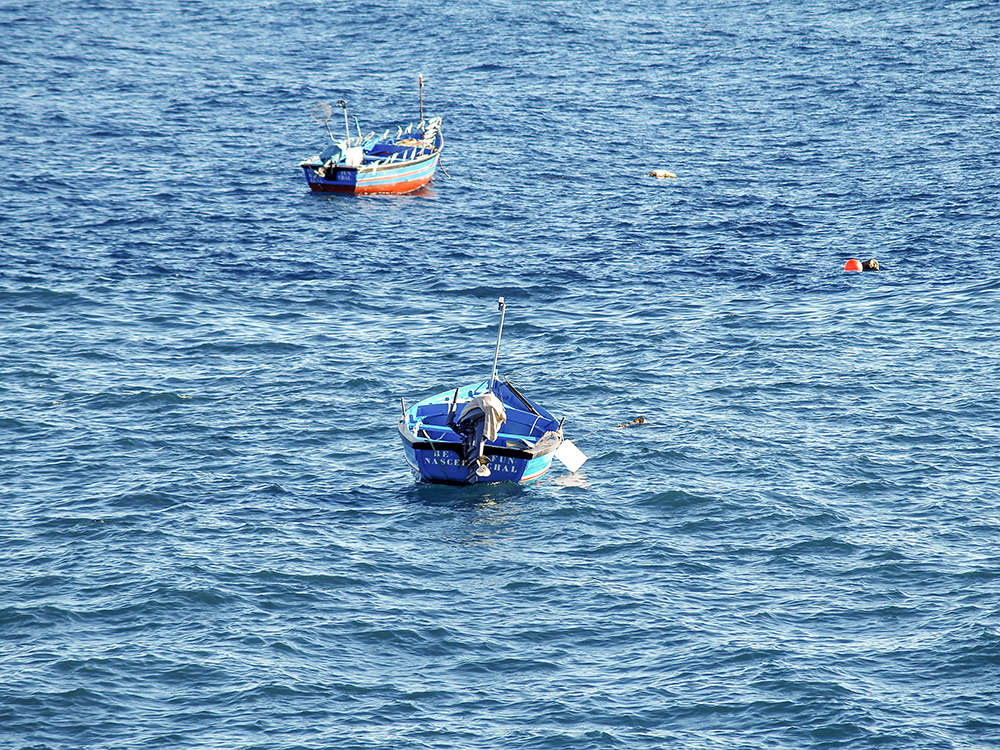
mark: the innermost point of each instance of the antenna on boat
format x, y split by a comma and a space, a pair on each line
503, 311
421, 77
321, 112
347, 127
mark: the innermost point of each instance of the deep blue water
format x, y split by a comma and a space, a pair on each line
209, 536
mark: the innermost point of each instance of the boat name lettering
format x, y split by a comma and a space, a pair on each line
447, 458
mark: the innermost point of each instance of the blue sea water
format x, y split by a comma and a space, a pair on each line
209, 536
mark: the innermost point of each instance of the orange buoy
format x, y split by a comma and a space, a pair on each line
852, 265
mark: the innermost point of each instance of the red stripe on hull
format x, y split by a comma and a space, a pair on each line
407, 186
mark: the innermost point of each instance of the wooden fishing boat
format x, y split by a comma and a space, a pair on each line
399, 162
484, 432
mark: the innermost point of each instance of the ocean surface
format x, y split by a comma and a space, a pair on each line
209, 536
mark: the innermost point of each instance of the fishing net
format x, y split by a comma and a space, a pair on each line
321, 112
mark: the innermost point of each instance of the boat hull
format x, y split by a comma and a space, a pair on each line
442, 463
402, 177
522, 452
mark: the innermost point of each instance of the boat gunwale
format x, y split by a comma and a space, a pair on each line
546, 446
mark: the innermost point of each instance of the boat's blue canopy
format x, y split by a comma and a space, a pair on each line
333, 151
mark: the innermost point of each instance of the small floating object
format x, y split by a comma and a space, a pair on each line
853, 265
484, 432
661, 174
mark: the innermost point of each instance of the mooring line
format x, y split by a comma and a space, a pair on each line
620, 425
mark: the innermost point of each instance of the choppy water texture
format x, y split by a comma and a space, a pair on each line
210, 538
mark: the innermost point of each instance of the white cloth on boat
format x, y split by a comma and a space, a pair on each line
354, 156
493, 411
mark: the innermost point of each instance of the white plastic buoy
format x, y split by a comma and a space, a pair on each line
661, 174
570, 456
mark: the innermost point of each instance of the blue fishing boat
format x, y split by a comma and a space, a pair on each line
487, 431
395, 162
